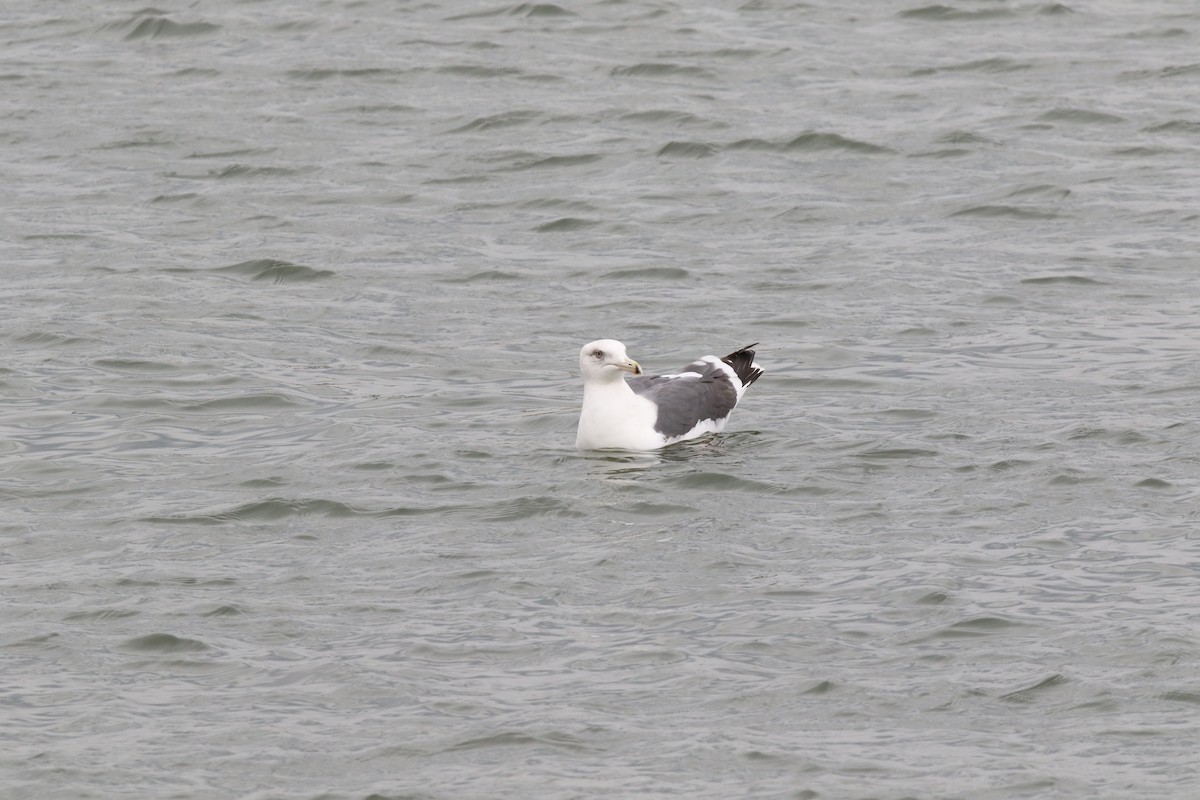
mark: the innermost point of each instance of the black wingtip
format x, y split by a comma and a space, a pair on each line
742, 362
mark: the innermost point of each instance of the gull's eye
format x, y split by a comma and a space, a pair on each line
597, 354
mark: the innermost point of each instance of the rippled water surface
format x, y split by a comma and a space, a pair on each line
291, 301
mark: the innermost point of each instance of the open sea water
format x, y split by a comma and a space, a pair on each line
291, 297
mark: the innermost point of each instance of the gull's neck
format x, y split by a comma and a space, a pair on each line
602, 385
609, 406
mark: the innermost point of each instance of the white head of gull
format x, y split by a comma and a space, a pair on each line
646, 413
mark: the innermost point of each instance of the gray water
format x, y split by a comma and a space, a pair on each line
291, 301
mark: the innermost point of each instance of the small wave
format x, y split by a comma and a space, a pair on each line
248, 171
717, 481
324, 74
154, 26
557, 739
1072, 477
671, 118
662, 70
559, 204
141, 140
1184, 70
163, 643
896, 453
196, 72
1158, 33
1192, 698
255, 403
276, 508
42, 642
1140, 152
820, 688
1080, 115
134, 365
1041, 190
273, 509
382, 108
910, 414
655, 273
1185, 126
486, 276
520, 10
49, 339
224, 611
1030, 693
811, 142
508, 119
100, 614
678, 149
830, 384
946, 152
275, 271
941, 13
240, 152
566, 224
962, 137
979, 626
530, 508
268, 510
1007, 464
987, 65
1073, 280
1012, 212
556, 162
646, 509
184, 197
479, 71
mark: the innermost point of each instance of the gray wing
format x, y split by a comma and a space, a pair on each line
702, 391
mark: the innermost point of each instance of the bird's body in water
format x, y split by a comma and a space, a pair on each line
646, 413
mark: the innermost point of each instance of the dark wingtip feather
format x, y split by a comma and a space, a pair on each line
742, 362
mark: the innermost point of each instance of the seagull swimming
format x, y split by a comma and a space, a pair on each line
646, 413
